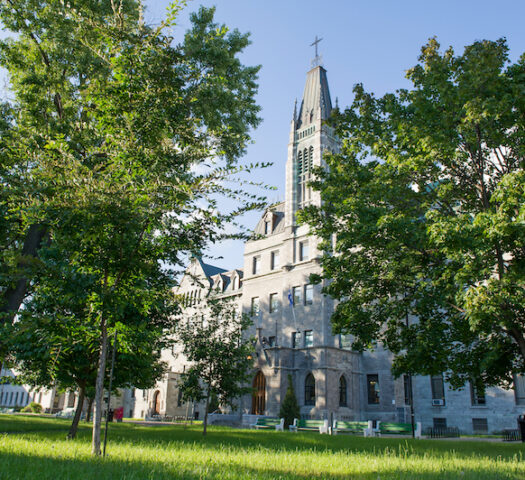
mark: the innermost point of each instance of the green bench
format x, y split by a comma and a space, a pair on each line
270, 423
348, 427
386, 428
309, 425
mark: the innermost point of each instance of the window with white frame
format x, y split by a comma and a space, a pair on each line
274, 302
274, 260
254, 310
303, 251
308, 294
308, 338
297, 296
256, 265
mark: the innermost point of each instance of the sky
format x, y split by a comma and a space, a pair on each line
364, 41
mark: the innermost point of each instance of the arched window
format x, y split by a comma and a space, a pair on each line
300, 163
342, 392
305, 160
309, 390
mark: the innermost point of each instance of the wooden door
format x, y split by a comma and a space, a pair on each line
156, 403
259, 394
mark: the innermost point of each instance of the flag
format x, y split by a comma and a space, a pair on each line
290, 298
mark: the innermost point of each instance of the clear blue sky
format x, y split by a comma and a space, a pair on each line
364, 41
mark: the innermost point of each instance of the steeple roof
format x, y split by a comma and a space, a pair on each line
316, 98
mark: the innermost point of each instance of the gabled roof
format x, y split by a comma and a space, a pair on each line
210, 270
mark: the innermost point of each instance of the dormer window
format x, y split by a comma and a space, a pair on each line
267, 227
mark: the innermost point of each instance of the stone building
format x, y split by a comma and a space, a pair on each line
291, 319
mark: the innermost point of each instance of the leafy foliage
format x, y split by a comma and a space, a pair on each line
215, 344
33, 407
426, 202
124, 140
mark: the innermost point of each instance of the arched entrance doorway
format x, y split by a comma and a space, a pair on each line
156, 403
259, 394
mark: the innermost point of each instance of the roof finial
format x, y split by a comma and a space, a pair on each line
317, 61
337, 102
295, 110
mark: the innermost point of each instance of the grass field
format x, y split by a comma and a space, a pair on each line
36, 448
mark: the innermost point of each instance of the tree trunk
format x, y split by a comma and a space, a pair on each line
89, 409
74, 425
205, 421
99, 388
15, 294
520, 340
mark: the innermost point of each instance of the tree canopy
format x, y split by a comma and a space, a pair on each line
118, 143
215, 344
426, 204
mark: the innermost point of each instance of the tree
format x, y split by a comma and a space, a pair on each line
215, 344
289, 408
113, 120
54, 344
426, 202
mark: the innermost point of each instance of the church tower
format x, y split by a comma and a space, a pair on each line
310, 137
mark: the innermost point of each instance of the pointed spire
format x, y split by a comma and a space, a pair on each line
316, 103
295, 111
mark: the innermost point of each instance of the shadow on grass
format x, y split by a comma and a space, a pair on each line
224, 437
23, 466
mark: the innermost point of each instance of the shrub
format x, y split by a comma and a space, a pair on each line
289, 408
33, 407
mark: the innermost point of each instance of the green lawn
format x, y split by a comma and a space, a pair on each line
36, 448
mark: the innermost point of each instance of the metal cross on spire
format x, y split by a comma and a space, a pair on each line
317, 59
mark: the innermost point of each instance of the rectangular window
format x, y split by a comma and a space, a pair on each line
372, 386
256, 265
266, 227
308, 338
297, 296
407, 384
439, 422
296, 340
274, 302
480, 425
254, 310
271, 341
308, 294
274, 260
345, 341
519, 389
303, 251
477, 396
438, 390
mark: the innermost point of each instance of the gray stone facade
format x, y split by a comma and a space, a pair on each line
330, 380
